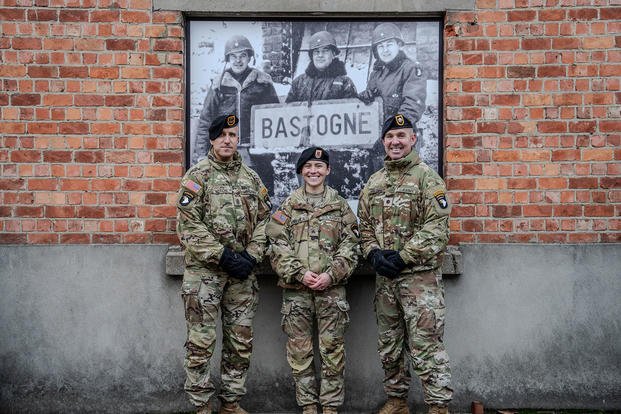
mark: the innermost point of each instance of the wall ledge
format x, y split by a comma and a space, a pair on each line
452, 265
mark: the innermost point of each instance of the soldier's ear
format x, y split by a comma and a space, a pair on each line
328, 171
414, 137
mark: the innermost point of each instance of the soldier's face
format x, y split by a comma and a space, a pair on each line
322, 57
399, 142
225, 145
314, 174
388, 50
239, 61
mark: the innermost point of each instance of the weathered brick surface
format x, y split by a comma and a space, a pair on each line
551, 131
85, 157
91, 132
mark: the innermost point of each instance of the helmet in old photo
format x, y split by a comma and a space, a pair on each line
322, 39
237, 43
386, 31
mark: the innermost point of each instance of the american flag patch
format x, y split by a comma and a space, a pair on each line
192, 186
280, 217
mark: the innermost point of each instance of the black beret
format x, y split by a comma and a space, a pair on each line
312, 153
396, 122
221, 122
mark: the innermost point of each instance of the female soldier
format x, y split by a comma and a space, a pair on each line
314, 238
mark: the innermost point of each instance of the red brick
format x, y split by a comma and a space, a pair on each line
73, 72
57, 156
537, 211
585, 182
88, 100
75, 238
91, 212
536, 44
43, 238
613, 13
569, 210
503, 100
172, 45
506, 211
17, 14
49, 184
491, 127
42, 15
43, 71
119, 100
73, 16
12, 184
154, 198
551, 126
168, 157
25, 99
551, 71
74, 128
59, 211
610, 182
135, 17
26, 43
77, 184
11, 238
29, 211
26, 156
104, 73
89, 156
610, 126
599, 211
521, 183
120, 44
103, 238
121, 212
168, 73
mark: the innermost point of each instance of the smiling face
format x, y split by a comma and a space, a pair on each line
399, 142
225, 145
314, 174
239, 61
388, 50
322, 57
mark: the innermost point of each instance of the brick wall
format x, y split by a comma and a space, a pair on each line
92, 121
532, 127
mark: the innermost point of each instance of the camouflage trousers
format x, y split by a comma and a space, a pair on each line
410, 317
329, 308
204, 294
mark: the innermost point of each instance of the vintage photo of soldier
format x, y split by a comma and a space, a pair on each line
295, 84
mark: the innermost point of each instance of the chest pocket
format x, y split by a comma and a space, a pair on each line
406, 209
299, 228
376, 205
330, 229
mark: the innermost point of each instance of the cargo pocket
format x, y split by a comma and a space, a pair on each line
343, 314
189, 293
285, 310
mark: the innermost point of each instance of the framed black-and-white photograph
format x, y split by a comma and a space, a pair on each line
329, 83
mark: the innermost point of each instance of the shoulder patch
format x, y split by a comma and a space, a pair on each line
263, 191
186, 198
280, 217
440, 197
192, 186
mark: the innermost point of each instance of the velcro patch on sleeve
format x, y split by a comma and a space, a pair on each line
440, 197
192, 186
186, 198
280, 217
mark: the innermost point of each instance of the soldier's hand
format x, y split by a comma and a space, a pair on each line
309, 278
394, 257
382, 265
367, 96
322, 281
235, 265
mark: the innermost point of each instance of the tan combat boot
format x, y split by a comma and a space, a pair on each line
436, 409
329, 410
395, 405
206, 409
231, 408
309, 409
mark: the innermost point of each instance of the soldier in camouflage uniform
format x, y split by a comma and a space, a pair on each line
314, 238
223, 208
403, 214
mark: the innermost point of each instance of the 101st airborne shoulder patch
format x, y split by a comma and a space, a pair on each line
440, 197
280, 217
186, 198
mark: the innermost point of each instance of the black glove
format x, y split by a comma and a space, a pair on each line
381, 264
395, 259
249, 257
235, 265
367, 96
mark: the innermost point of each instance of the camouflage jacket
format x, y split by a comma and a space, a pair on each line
320, 239
404, 207
221, 204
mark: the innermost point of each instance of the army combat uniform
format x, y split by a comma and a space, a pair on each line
403, 207
220, 204
320, 238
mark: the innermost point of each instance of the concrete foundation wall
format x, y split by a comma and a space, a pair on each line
101, 329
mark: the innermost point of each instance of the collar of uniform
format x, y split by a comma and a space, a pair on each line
336, 68
393, 64
402, 163
233, 164
298, 199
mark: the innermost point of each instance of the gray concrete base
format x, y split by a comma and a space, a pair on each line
101, 329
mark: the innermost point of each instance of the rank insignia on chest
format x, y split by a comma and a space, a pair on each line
186, 198
192, 186
280, 217
440, 197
